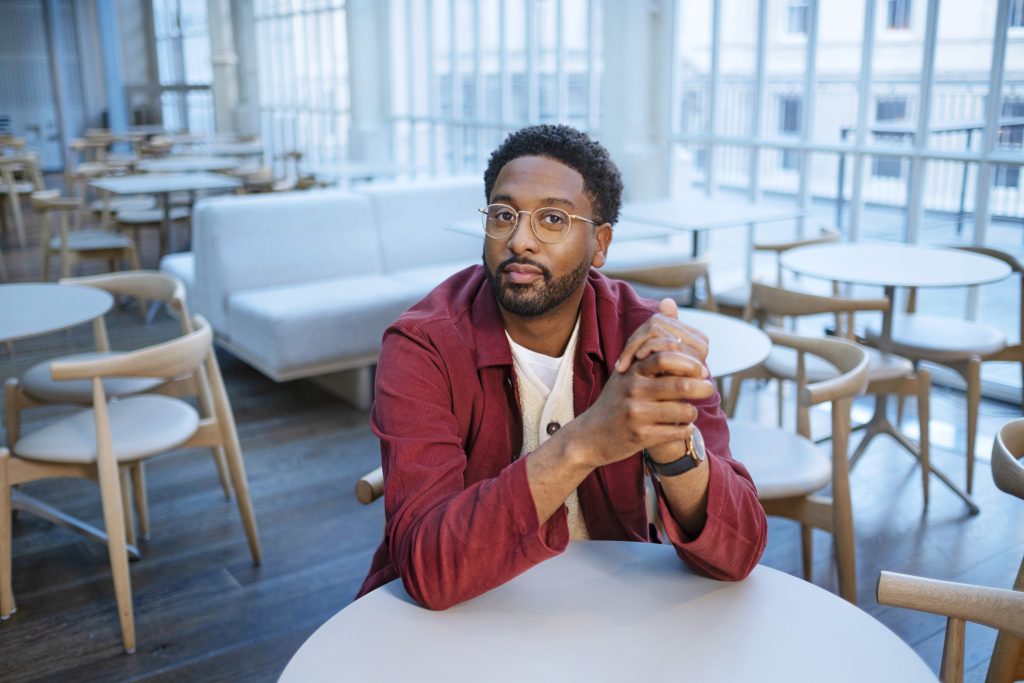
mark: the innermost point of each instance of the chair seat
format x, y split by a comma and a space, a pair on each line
782, 464
123, 204
147, 216
91, 169
37, 383
940, 338
140, 426
92, 240
19, 187
781, 362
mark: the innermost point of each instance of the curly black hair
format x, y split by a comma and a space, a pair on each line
602, 182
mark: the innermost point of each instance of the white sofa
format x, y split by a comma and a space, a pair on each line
304, 284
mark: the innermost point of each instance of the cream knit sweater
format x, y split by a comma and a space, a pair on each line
545, 410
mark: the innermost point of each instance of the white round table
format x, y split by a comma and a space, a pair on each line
611, 611
895, 265
186, 164
27, 310
733, 345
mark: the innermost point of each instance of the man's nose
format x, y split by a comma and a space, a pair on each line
522, 239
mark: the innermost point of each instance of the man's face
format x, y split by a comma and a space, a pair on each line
530, 277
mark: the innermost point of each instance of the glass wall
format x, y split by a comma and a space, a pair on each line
182, 37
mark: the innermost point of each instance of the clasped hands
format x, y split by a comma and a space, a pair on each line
648, 401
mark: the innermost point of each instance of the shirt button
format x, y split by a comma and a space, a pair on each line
553, 427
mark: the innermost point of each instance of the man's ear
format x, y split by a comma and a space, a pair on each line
603, 235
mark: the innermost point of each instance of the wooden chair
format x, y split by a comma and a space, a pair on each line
1001, 609
662, 280
102, 442
133, 221
1008, 473
788, 468
734, 301
74, 245
888, 374
37, 388
12, 188
958, 344
370, 486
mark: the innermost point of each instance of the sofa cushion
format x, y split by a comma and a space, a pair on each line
181, 266
412, 217
291, 327
426, 278
252, 242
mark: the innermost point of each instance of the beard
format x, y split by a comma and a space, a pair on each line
533, 300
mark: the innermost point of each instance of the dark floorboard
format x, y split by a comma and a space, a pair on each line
204, 613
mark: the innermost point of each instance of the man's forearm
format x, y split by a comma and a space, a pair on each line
555, 469
687, 496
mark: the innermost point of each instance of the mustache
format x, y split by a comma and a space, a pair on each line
523, 261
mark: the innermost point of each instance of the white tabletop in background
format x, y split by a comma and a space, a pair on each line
186, 164
695, 211
733, 345
230, 149
612, 611
895, 265
31, 309
164, 182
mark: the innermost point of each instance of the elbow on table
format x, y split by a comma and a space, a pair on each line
432, 597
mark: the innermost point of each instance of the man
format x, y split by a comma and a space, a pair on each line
514, 401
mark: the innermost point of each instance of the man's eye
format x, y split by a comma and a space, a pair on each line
553, 219
506, 216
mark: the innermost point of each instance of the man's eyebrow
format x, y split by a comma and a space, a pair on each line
548, 201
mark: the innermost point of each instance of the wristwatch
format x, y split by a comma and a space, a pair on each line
691, 458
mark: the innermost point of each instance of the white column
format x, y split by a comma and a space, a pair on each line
247, 106
915, 205
635, 97
863, 104
225, 65
369, 80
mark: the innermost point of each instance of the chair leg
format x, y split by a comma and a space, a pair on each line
206, 410
780, 398
141, 498
126, 505
7, 606
12, 412
842, 505
734, 396
113, 521
924, 389
973, 377
807, 550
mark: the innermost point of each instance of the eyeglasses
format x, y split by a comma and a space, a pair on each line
549, 225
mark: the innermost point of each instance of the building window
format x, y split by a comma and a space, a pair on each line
796, 16
1016, 14
898, 16
1011, 136
789, 126
183, 63
890, 110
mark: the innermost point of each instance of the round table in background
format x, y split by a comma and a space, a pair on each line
27, 310
733, 345
611, 611
186, 164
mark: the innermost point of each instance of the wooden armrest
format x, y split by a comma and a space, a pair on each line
370, 486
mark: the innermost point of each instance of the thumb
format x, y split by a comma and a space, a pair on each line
667, 307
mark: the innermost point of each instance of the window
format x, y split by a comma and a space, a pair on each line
183, 62
1016, 14
303, 80
1011, 136
789, 126
898, 16
796, 16
888, 110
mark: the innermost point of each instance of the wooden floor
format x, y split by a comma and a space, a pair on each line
205, 613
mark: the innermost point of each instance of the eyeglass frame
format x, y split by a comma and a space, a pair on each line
533, 227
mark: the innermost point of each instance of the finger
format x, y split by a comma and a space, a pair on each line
668, 308
660, 434
634, 342
673, 388
660, 325
670, 413
671, 363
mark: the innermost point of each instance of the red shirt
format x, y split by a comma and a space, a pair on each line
460, 516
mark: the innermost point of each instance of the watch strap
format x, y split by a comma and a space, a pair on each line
688, 461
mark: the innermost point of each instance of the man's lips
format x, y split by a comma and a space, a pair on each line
521, 274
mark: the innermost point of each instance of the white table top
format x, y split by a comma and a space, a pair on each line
895, 265
733, 345
696, 211
611, 611
186, 164
231, 149
164, 182
31, 309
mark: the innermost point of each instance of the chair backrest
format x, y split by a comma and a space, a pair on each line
370, 486
1000, 609
150, 285
768, 301
777, 248
1007, 452
173, 359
